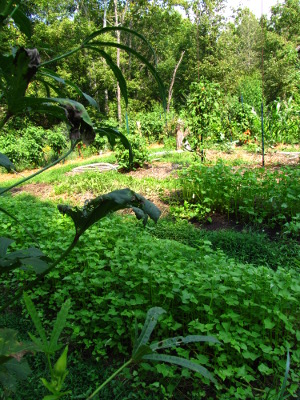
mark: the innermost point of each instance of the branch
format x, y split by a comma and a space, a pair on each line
173, 80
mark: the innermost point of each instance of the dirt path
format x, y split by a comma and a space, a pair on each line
158, 170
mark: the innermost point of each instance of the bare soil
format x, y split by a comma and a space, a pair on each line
161, 170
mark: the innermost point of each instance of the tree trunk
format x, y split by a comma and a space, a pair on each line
173, 80
118, 63
106, 108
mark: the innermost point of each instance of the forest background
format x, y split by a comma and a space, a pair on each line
240, 62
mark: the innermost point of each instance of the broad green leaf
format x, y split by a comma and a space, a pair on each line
22, 259
13, 371
115, 69
11, 347
39, 266
22, 22
35, 318
59, 325
6, 163
182, 363
179, 340
149, 325
4, 244
103, 205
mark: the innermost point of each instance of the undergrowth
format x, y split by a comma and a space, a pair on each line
252, 310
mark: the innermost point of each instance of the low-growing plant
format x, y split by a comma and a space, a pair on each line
261, 197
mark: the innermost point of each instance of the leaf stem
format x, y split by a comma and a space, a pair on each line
41, 170
110, 378
60, 57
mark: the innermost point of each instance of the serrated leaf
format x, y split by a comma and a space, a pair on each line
103, 205
59, 325
179, 340
182, 362
149, 325
6, 163
35, 318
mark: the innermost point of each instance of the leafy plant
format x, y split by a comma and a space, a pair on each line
140, 153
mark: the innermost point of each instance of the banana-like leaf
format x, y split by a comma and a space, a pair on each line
59, 325
182, 362
149, 325
10, 9
22, 22
113, 134
118, 28
98, 208
179, 340
115, 69
18, 69
25, 258
50, 74
141, 58
6, 163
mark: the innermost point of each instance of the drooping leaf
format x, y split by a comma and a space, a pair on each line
4, 244
119, 28
182, 362
179, 340
25, 258
10, 347
98, 208
115, 69
22, 22
50, 74
113, 134
6, 163
13, 371
141, 58
149, 325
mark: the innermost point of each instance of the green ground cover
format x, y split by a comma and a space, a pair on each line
241, 287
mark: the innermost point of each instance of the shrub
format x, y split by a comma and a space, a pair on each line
139, 151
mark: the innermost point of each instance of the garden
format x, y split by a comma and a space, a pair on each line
133, 266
